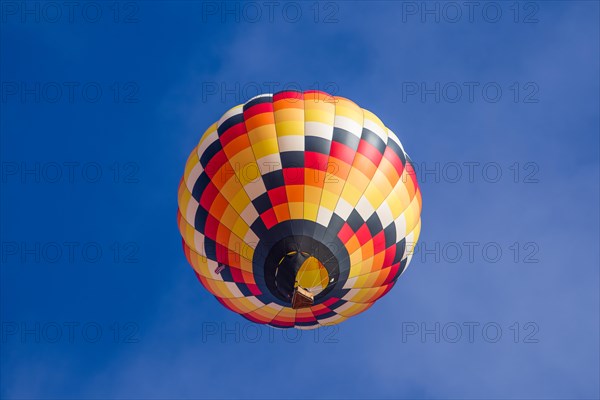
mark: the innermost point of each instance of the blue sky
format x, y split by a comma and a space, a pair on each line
168, 70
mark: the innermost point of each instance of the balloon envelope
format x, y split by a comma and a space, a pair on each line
298, 195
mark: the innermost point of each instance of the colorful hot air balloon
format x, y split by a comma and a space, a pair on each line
298, 209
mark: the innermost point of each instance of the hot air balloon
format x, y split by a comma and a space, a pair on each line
298, 209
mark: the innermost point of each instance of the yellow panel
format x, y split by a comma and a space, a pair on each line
296, 210
243, 304
354, 309
240, 201
207, 132
285, 128
265, 148
374, 196
267, 312
412, 214
374, 118
320, 114
349, 109
262, 132
329, 200
240, 227
311, 211
352, 193
312, 197
191, 162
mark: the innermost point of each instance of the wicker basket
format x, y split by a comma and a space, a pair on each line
302, 298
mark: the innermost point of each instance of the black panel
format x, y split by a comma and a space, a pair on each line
396, 149
343, 136
403, 265
199, 186
374, 225
400, 248
226, 274
374, 140
273, 179
292, 159
200, 219
335, 224
355, 220
244, 289
210, 248
317, 145
390, 235
262, 203
258, 100
210, 152
258, 227
229, 122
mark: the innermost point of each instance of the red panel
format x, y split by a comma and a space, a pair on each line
288, 95
259, 108
254, 289
269, 218
305, 319
345, 233
232, 133
222, 253
211, 226
393, 273
369, 151
379, 242
330, 301
253, 319
363, 234
387, 289
283, 322
411, 172
278, 195
390, 254
394, 160
341, 152
236, 274
293, 176
208, 196
316, 160
321, 311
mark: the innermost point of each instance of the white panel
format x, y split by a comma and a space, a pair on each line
190, 212
291, 143
385, 214
210, 139
255, 188
400, 223
364, 208
343, 209
199, 243
235, 291
269, 163
331, 320
249, 215
324, 216
348, 124
193, 176
318, 129
350, 283
251, 239
376, 129
230, 113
